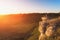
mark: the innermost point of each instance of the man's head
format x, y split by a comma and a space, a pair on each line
44, 18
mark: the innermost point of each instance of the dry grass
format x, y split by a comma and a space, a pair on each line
35, 34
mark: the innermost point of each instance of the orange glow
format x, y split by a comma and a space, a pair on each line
9, 19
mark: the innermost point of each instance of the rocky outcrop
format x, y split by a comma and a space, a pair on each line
51, 29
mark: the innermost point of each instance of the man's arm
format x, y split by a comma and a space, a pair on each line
54, 20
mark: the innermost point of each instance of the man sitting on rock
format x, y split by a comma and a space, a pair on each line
42, 28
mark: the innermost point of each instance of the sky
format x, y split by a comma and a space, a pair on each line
29, 6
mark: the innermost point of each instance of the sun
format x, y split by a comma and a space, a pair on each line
4, 14
6, 10
8, 7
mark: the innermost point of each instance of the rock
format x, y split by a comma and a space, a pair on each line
42, 37
50, 29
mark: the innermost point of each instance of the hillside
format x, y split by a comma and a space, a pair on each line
21, 26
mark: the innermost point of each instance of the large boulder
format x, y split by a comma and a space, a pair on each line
52, 29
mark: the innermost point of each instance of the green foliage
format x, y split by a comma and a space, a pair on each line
35, 34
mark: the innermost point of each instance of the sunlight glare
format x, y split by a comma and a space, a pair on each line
8, 7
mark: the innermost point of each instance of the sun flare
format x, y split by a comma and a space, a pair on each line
8, 7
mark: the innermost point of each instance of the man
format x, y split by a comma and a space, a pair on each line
42, 27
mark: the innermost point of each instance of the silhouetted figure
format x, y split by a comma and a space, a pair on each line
42, 28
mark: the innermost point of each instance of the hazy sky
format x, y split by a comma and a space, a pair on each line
27, 6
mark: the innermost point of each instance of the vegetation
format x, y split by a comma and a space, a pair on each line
35, 34
25, 27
